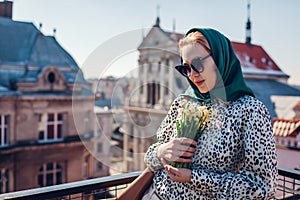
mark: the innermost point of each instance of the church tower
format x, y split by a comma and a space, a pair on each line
157, 85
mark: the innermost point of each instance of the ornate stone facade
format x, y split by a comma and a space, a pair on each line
47, 118
157, 85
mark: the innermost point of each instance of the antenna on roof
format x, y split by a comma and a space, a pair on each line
157, 18
40, 26
248, 25
54, 32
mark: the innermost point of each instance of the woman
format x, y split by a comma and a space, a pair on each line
235, 156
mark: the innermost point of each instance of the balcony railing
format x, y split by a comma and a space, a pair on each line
288, 184
109, 188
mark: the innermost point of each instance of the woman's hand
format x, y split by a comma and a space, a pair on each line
177, 174
177, 149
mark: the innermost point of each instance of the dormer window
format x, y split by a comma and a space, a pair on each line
51, 77
267, 61
249, 59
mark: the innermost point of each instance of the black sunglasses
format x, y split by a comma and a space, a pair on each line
196, 65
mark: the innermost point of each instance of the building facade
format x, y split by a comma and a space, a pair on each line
47, 115
156, 87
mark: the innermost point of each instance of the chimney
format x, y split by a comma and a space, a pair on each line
6, 9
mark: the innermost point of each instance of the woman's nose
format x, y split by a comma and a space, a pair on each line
193, 72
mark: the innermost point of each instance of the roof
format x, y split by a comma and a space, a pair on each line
284, 106
255, 60
265, 88
25, 52
16, 41
157, 36
297, 106
286, 128
174, 36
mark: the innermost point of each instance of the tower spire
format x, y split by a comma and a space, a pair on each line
248, 25
157, 18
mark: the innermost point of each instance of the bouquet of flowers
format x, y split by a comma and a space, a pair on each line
191, 122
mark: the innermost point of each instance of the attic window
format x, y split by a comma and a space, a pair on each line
266, 61
51, 77
249, 59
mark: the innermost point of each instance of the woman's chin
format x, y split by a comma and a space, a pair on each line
203, 90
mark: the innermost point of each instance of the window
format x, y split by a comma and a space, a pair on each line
249, 59
131, 152
50, 174
99, 147
167, 88
86, 166
159, 66
131, 134
167, 62
4, 130
153, 93
150, 67
141, 87
51, 77
4, 181
142, 69
50, 126
99, 166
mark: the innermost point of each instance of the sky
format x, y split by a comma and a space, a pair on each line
113, 29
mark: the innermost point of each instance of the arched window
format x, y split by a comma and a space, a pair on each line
4, 186
51, 77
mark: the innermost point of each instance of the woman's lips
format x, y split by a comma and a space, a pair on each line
200, 82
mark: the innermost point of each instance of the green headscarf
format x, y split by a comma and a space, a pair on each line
230, 82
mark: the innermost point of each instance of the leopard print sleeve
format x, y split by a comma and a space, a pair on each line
164, 133
256, 175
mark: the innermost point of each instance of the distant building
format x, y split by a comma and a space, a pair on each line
269, 84
297, 110
110, 91
263, 75
43, 131
287, 135
102, 141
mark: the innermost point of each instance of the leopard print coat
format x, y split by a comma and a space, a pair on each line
235, 156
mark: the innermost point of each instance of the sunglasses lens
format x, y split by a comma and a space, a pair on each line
197, 64
184, 70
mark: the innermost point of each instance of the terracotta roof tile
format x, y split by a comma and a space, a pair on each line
285, 127
254, 54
